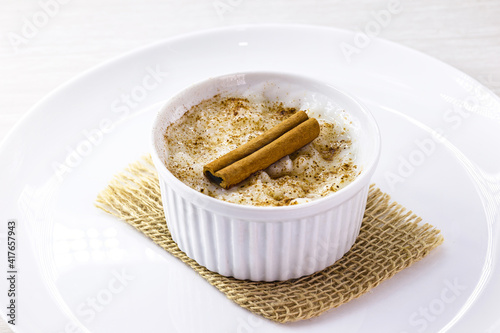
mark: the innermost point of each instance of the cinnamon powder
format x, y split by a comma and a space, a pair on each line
218, 125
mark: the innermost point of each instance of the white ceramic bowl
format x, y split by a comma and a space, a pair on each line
267, 243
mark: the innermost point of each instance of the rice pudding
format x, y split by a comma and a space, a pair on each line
219, 124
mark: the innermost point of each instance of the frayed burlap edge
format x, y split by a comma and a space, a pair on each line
391, 239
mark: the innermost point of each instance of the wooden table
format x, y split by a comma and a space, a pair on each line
46, 43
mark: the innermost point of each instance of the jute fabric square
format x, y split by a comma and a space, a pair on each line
391, 239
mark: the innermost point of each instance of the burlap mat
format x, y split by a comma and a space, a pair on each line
390, 240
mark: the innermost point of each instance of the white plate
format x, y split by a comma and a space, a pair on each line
81, 270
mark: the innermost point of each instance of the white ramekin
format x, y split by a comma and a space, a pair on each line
265, 243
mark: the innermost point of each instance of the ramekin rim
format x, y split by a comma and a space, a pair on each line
337, 197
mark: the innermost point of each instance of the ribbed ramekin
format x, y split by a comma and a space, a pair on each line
265, 243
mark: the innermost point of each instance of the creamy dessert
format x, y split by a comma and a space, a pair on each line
220, 124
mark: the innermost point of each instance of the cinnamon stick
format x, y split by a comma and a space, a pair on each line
262, 151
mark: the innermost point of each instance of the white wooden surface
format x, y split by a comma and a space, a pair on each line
80, 34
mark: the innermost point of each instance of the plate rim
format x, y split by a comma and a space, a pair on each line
200, 32
17, 128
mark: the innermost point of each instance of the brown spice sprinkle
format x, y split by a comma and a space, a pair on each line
220, 124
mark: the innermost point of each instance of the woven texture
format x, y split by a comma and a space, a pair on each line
391, 239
